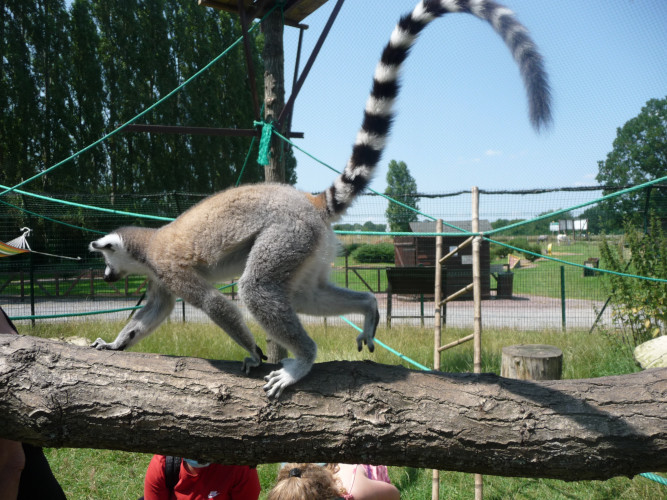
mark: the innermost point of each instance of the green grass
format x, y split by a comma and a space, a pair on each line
544, 278
108, 474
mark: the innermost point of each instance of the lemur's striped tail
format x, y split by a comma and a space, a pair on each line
378, 115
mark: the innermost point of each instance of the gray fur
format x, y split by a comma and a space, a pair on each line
276, 238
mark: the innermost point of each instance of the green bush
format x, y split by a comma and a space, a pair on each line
500, 251
524, 244
368, 254
639, 307
349, 248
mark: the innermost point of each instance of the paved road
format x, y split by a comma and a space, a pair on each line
520, 312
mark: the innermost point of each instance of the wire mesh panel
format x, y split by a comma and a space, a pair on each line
540, 274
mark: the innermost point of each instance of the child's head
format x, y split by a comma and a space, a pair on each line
306, 482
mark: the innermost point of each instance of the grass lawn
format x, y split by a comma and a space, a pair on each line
107, 474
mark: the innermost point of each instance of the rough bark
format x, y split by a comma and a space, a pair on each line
59, 395
274, 91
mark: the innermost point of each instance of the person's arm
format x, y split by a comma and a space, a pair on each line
247, 485
155, 484
358, 484
12, 461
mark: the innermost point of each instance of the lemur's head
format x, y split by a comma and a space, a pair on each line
118, 260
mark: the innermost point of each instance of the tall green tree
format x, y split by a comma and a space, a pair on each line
217, 98
120, 31
89, 173
19, 93
402, 187
639, 155
72, 70
52, 68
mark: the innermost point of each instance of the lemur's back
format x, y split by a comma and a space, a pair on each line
231, 218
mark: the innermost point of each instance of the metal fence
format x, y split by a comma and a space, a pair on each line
542, 294
56, 293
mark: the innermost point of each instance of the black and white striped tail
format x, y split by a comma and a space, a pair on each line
378, 115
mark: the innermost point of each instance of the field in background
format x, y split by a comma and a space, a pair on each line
94, 474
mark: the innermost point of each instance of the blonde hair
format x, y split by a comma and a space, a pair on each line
307, 482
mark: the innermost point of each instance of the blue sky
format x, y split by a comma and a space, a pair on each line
462, 113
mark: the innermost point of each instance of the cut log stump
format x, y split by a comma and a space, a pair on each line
532, 362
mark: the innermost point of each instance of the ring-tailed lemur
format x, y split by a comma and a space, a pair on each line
279, 240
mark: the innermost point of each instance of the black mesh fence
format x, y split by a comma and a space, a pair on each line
554, 285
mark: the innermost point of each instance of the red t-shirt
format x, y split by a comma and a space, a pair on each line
218, 482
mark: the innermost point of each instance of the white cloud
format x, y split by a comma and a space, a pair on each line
492, 152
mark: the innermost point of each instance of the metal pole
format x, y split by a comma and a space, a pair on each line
435, 488
477, 308
562, 295
32, 289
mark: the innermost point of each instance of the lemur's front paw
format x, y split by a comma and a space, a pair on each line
253, 361
250, 363
100, 345
292, 371
276, 382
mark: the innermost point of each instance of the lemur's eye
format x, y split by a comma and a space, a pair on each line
108, 246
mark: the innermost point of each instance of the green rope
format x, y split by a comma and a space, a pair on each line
245, 162
90, 207
264, 142
548, 257
654, 477
25, 210
381, 344
558, 212
92, 313
132, 120
403, 233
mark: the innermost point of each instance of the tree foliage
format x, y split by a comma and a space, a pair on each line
639, 155
368, 226
402, 187
72, 71
531, 228
639, 307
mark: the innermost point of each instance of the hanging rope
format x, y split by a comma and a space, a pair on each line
264, 142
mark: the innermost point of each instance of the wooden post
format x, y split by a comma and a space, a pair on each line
274, 90
435, 488
477, 308
389, 297
532, 362
274, 102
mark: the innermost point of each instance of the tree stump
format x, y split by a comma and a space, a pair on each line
532, 362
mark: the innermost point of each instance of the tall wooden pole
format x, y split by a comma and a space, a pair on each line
274, 91
435, 487
477, 308
274, 102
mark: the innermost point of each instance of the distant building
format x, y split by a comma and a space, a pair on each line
419, 251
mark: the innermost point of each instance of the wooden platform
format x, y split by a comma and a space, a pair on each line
295, 10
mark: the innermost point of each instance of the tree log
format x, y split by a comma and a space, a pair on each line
58, 395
